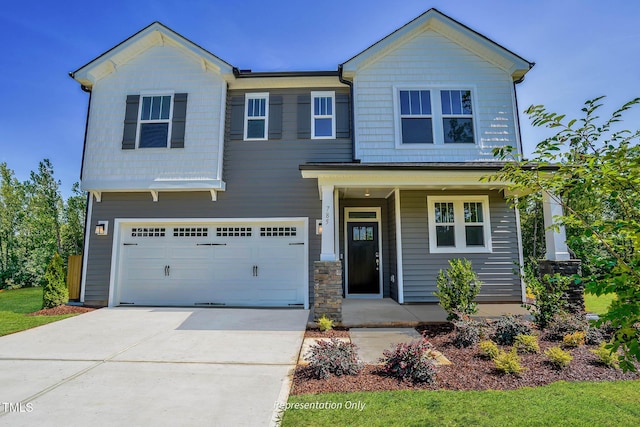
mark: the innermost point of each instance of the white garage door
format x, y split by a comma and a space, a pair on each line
209, 264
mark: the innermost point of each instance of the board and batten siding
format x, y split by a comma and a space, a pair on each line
496, 270
263, 181
162, 70
431, 60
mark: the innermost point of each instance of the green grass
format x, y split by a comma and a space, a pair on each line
14, 306
561, 404
598, 305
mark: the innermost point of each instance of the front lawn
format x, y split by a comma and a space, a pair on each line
561, 403
598, 304
16, 304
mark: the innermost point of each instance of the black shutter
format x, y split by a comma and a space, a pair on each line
304, 116
179, 120
236, 127
275, 117
130, 122
343, 116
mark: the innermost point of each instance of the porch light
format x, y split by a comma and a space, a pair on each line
318, 226
102, 228
366, 193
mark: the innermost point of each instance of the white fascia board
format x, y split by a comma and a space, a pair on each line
158, 184
441, 179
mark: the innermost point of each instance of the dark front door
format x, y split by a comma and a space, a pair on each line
363, 258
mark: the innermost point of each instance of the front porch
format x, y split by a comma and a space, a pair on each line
385, 313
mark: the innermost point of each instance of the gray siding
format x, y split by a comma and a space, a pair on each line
496, 269
369, 203
263, 181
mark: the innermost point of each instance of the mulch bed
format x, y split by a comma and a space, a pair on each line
62, 309
333, 333
469, 371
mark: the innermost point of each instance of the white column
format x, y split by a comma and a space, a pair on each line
328, 247
556, 240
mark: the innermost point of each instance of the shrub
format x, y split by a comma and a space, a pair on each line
508, 363
325, 324
458, 286
565, 323
575, 339
55, 290
411, 361
527, 344
333, 357
548, 296
558, 357
606, 356
467, 332
594, 336
489, 349
508, 327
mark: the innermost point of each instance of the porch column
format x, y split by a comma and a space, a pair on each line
328, 247
556, 240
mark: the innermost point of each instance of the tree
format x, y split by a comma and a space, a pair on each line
12, 209
55, 290
72, 228
597, 181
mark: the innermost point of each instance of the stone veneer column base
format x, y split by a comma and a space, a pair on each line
575, 294
327, 290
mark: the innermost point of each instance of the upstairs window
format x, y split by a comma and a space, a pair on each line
256, 119
415, 116
459, 224
323, 121
457, 116
155, 120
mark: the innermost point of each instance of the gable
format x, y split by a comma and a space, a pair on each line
155, 35
434, 21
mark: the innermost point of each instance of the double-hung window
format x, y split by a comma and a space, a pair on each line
457, 116
434, 116
155, 121
459, 224
256, 118
415, 116
323, 119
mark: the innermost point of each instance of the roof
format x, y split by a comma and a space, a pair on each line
155, 34
435, 20
417, 166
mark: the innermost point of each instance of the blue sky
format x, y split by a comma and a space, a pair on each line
582, 49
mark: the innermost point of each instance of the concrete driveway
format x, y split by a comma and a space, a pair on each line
151, 366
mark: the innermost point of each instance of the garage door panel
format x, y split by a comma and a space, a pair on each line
250, 264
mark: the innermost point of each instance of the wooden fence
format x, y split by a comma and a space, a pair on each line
74, 275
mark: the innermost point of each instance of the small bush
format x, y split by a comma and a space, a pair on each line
508, 363
527, 344
55, 292
325, 324
606, 356
558, 357
565, 323
548, 296
489, 349
411, 361
333, 357
458, 287
575, 339
594, 336
508, 327
467, 332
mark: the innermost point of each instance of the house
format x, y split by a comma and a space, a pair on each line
209, 185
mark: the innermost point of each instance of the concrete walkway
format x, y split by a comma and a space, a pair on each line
151, 366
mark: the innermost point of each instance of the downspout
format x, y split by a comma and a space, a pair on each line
352, 113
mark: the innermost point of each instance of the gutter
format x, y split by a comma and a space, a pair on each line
352, 113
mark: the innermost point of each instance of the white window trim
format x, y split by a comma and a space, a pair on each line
259, 95
436, 119
459, 224
323, 94
141, 122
